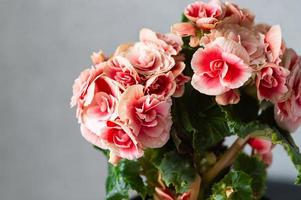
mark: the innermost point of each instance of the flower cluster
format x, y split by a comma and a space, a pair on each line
244, 82
235, 53
124, 101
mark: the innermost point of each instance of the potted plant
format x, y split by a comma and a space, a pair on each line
161, 108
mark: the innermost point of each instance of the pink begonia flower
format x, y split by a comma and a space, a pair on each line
233, 47
102, 108
236, 15
119, 138
121, 70
230, 97
163, 85
91, 137
116, 137
288, 112
271, 82
148, 60
82, 83
205, 15
98, 57
174, 41
273, 39
220, 67
252, 41
100, 103
80, 87
170, 43
148, 116
263, 148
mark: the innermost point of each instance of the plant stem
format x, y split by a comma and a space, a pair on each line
226, 160
195, 188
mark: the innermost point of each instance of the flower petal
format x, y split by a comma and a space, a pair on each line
274, 39
207, 85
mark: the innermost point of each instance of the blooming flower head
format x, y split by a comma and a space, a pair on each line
121, 70
148, 60
163, 85
271, 82
288, 112
218, 68
80, 87
101, 103
147, 115
117, 138
252, 41
169, 43
124, 101
236, 15
205, 15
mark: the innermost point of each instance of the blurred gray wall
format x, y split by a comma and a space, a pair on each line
44, 44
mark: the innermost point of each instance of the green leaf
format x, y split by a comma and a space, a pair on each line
149, 162
177, 171
236, 185
242, 118
180, 139
201, 119
116, 187
184, 18
254, 168
237, 126
122, 178
212, 127
130, 171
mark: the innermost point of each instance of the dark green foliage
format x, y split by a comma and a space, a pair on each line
122, 178
177, 171
256, 169
200, 119
236, 185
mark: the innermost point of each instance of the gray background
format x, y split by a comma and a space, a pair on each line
44, 44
